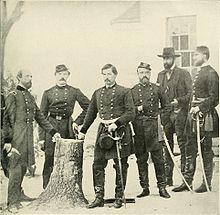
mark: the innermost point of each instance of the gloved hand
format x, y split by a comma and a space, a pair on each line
56, 137
7, 147
81, 136
195, 110
13, 150
41, 144
112, 127
75, 127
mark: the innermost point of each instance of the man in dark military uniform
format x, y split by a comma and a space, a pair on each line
147, 97
114, 105
57, 105
22, 110
177, 85
205, 97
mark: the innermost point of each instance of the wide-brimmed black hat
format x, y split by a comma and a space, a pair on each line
106, 141
144, 65
61, 68
169, 52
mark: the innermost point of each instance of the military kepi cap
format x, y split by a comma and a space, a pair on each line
61, 68
144, 65
169, 52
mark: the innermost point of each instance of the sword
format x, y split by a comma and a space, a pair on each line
175, 164
200, 151
118, 147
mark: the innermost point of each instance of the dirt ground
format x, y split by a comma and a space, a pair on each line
179, 203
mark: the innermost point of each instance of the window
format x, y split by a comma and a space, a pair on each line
181, 34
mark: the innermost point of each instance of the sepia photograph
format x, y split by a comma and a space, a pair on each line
109, 107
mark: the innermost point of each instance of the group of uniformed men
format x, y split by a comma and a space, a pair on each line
131, 112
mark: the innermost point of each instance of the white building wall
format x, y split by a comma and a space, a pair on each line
81, 35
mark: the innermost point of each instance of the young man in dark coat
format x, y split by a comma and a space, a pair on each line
176, 83
57, 105
147, 98
114, 106
205, 97
22, 110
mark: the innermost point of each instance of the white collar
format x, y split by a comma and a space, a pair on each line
173, 66
204, 64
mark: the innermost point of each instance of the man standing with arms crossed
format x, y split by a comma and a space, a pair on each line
57, 105
114, 106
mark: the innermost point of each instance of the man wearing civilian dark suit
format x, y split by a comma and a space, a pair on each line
177, 85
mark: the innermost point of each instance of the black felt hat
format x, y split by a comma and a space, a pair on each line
169, 52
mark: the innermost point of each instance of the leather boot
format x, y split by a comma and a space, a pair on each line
168, 165
208, 166
144, 180
12, 209
202, 188
25, 198
182, 187
145, 192
163, 192
190, 162
98, 202
98, 183
118, 203
119, 189
46, 176
160, 174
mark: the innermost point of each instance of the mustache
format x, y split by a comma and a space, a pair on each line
144, 78
107, 79
62, 79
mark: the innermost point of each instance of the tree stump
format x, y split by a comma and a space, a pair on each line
65, 187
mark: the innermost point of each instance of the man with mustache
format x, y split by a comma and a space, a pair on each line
57, 105
22, 110
114, 106
177, 85
205, 97
147, 97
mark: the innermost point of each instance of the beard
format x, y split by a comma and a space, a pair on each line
144, 80
198, 62
28, 85
168, 66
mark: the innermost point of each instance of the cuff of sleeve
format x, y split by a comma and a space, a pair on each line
52, 132
118, 123
83, 130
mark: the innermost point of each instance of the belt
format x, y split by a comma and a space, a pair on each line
57, 117
107, 122
147, 117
